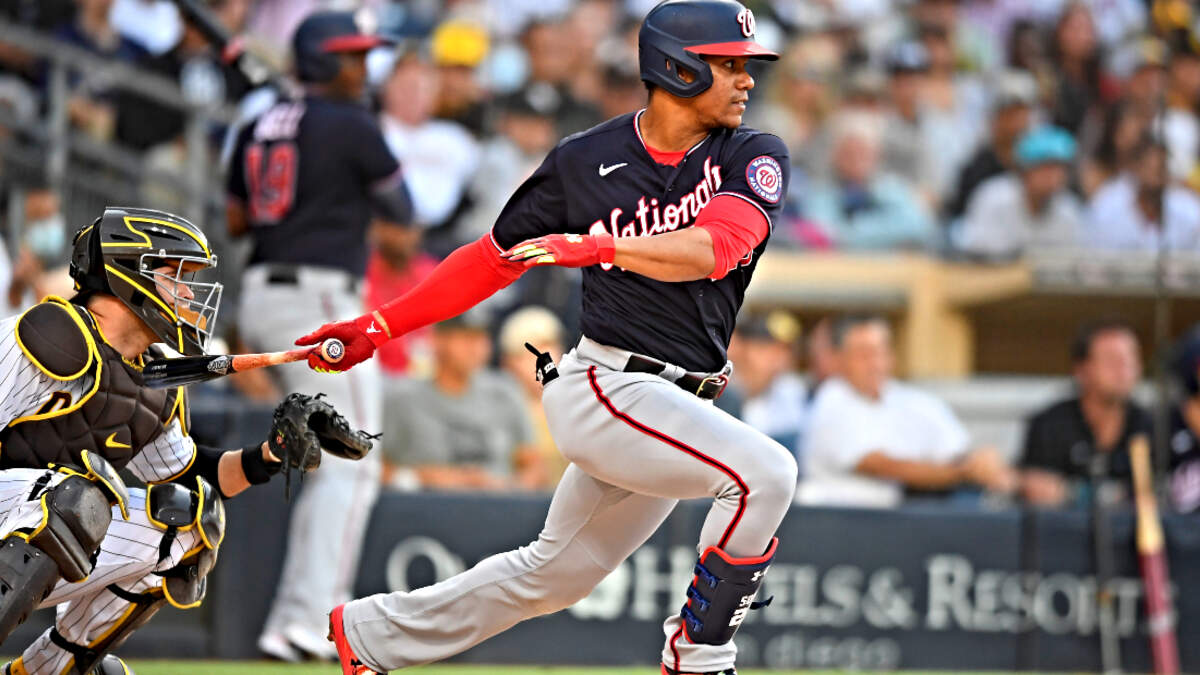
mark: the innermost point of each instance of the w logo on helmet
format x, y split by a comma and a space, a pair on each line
746, 18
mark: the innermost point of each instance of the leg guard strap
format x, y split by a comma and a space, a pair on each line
143, 606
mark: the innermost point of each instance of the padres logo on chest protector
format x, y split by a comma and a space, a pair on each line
115, 418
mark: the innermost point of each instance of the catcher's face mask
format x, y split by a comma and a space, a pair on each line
193, 303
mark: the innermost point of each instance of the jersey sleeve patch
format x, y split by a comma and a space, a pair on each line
765, 177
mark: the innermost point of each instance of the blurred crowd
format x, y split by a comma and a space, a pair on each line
977, 129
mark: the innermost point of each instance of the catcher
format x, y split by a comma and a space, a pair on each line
74, 413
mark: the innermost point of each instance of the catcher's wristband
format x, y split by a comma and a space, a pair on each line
257, 469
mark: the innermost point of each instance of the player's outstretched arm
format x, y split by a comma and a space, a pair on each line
726, 231
465, 278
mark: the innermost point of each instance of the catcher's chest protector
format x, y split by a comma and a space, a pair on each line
115, 418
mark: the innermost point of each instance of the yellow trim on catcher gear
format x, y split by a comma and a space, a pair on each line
157, 300
17, 667
97, 361
200, 514
45, 517
82, 328
160, 524
130, 220
195, 452
94, 476
175, 603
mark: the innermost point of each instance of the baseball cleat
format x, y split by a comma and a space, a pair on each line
337, 635
671, 671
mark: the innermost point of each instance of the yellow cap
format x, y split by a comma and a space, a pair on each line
457, 43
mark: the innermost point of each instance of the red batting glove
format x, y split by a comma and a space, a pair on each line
564, 250
360, 336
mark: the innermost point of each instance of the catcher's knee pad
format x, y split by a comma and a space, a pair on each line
75, 517
27, 575
722, 593
175, 508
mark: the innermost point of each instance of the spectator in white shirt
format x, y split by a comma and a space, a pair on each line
1032, 208
439, 157
1141, 209
869, 438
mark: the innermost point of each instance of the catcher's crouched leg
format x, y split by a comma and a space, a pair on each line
722, 593
174, 508
76, 512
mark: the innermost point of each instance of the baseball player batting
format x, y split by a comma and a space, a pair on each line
667, 211
74, 412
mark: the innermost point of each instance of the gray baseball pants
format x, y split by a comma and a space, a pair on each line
330, 517
637, 444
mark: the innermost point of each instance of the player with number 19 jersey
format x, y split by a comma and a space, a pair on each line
305, 171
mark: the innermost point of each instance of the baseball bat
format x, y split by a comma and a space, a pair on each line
1153, 561
1103, 553
186, 370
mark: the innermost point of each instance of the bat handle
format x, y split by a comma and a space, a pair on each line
332, 350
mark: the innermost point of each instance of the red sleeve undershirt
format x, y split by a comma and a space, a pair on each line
736, 226
475, 271
468, 276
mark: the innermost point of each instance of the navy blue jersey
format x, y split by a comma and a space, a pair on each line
604, 180
305, 171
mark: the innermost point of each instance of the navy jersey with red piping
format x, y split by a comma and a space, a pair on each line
305, 171
604, 180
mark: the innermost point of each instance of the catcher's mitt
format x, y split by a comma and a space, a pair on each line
305, 425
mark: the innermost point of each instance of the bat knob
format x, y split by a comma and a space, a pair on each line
332, 350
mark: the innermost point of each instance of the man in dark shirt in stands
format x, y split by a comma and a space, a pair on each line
1088, 434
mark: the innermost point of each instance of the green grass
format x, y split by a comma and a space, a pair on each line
261, 668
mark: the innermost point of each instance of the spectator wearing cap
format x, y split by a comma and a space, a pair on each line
1184, 439
539, 327
1141, 210
458, 48
1028, 209
439, 156
463, 428
870, 438
861, 207
1077, 442
773, 394
1012, 106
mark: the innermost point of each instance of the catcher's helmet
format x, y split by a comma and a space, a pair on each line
123, 252
323, 35
677, 33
